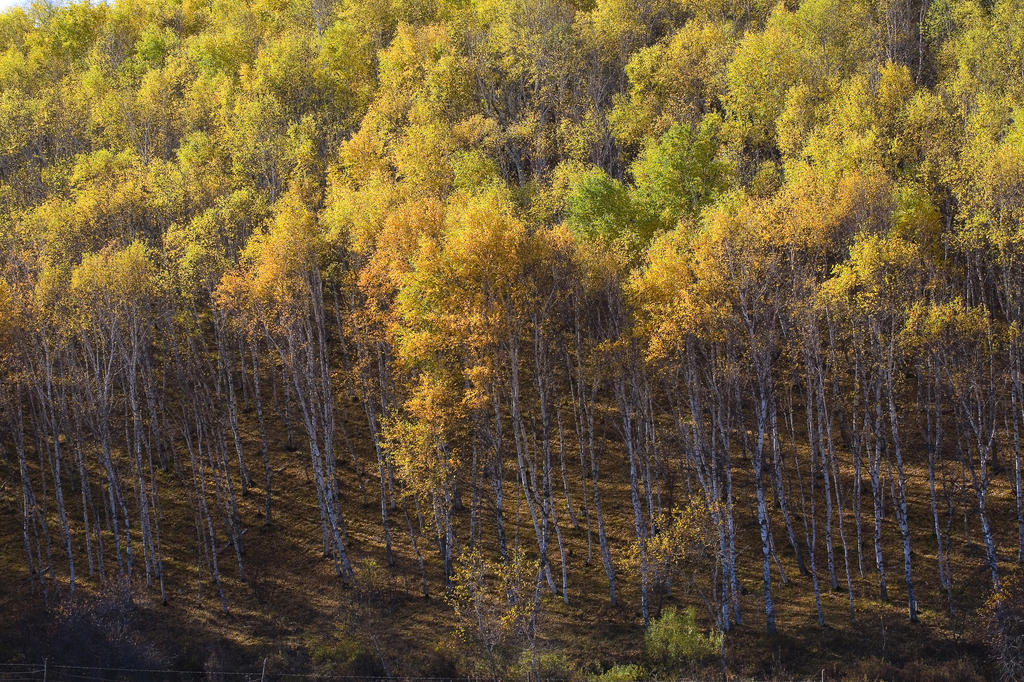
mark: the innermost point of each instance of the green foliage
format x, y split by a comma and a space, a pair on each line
674, 640
621, 673
597, 206
681, 174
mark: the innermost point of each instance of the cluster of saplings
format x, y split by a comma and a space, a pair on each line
743, 254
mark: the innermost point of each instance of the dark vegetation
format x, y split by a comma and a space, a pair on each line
515, 340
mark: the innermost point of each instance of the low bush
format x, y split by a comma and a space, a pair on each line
621, 673
674, 641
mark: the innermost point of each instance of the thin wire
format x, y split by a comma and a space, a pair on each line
23, 673
257, 673
150, 670
19, 672
83, 677
250, 674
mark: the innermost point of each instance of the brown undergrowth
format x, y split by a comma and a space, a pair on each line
294, 613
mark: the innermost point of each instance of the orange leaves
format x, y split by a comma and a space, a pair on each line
404, 233
275, 280
462, 285
700, 285
234, 294
663, 294
820, 212
458, 287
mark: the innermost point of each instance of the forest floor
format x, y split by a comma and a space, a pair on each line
295, 613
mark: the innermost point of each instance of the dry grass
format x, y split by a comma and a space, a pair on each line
294, 610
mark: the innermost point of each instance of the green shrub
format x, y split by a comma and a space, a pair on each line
674, 640
621, 673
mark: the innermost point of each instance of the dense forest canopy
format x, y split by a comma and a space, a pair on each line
736, 254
